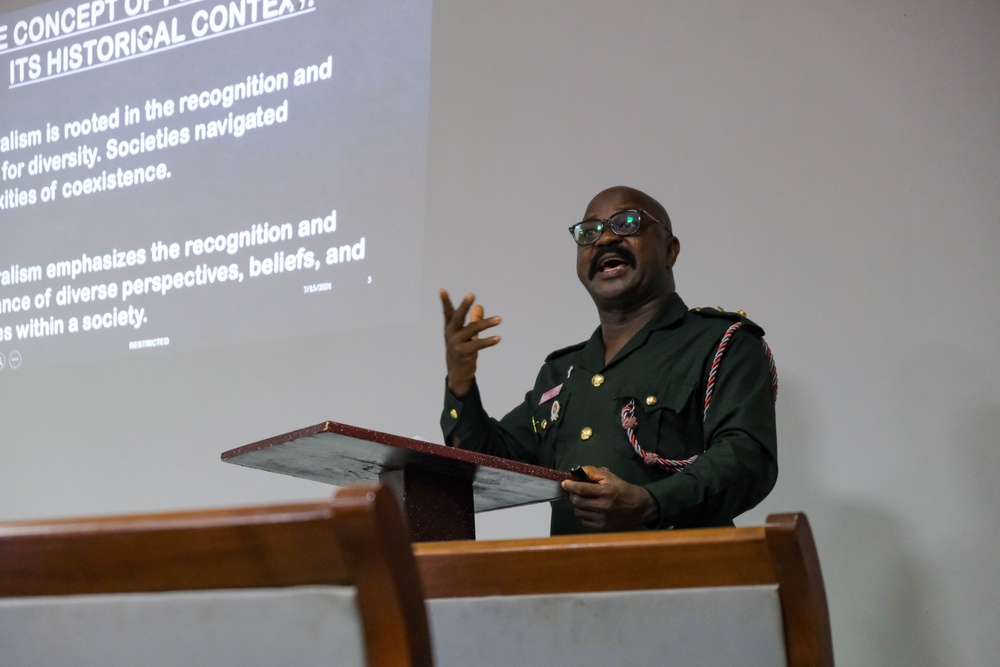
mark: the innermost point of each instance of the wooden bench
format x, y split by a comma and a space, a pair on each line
169, 589
90, 591
717, 596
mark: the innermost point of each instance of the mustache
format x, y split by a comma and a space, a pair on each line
620, 252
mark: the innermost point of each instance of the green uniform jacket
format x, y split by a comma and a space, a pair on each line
572, 417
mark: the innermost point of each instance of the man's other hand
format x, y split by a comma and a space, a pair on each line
462, 342
609, 503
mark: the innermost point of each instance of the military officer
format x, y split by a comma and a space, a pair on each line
668, 412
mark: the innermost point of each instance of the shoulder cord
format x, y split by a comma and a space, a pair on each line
629, 422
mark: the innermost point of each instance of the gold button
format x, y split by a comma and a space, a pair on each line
651, 400
545, 423
454, 413
741, 313
597, 380
586, 433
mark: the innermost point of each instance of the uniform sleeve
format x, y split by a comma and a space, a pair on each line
740, 464
466, 425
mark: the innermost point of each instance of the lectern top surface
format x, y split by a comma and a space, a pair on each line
344, 455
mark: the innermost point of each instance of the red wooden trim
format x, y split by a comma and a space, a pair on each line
377, 548
808, 638
609, 562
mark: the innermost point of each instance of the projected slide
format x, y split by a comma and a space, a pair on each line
186, 174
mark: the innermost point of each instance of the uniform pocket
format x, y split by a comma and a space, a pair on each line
666, 421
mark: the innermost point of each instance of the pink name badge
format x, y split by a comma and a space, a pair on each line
551, 393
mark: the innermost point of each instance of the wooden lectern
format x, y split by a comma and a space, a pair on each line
440, 488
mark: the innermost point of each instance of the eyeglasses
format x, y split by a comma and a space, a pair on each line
622, 223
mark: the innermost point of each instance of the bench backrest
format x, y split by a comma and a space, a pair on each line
67, 574
681, 596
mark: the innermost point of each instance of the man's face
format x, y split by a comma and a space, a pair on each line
624, 272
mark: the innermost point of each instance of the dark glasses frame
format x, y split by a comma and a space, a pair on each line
626, 222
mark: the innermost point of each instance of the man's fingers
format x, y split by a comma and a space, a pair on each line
585, 489
592, 520
598, 505
487, 342
454, 317
475, 344
472, 330
463, 307
457, 320
446, 305
476, 315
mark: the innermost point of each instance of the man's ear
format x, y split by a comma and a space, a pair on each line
673, 249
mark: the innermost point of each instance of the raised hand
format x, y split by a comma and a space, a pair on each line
462, 342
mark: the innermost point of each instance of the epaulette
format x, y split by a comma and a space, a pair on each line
738, 316
566, 350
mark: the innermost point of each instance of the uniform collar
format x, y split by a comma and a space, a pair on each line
592, 355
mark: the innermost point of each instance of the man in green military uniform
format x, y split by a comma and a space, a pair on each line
668, 411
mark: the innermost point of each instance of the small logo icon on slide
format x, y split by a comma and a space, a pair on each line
3, 361
15, 359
